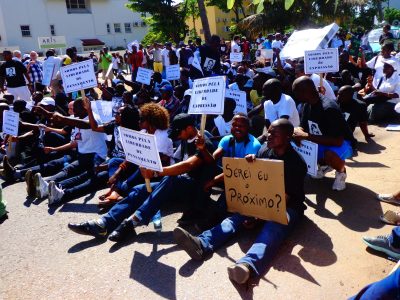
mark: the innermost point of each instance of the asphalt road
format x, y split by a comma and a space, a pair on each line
324, 259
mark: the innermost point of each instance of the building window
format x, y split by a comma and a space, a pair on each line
128, 28
143, 24
108, 28
25, 30
78, 6
226, 29
52, 30
117, 27
240, 11
135, 24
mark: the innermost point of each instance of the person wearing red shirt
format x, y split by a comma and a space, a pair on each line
136, 60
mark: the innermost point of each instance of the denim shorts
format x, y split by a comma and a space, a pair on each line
344, 151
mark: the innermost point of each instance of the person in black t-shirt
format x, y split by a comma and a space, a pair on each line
322, 122
272, 234
210, 57
180, 180
14, 73
355, 111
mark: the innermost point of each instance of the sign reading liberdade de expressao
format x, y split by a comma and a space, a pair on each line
321, 61
46, 42
208, 96
255, 189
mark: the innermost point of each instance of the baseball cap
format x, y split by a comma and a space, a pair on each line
167, 88
47, 101
179, 123
188, 92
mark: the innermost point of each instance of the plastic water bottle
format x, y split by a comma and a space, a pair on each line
157, 221
66, 163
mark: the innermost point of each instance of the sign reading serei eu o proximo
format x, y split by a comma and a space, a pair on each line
78, 76
208, 96
321, 61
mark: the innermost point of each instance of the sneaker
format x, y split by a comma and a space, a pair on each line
381, 243
388, 198
124, 229
30, 184
91, 227
8, 169
322, 170
189, 243
340, 181
55, 193
41, 186
239, 273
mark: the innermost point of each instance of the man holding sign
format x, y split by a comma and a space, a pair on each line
272, 234
180, 180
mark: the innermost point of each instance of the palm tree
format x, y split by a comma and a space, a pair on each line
204, 20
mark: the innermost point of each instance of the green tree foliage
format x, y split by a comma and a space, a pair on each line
167, 20
391, 14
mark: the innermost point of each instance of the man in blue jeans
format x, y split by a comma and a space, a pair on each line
272, 234
180, 181
389, 287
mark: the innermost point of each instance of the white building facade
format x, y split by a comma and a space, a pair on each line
80, 21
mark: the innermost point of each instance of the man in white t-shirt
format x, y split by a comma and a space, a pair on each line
278, 105
277, 44
235, 45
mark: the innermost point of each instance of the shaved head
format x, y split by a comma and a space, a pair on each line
304, 90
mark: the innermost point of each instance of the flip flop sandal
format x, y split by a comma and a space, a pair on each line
390, 217
388, 199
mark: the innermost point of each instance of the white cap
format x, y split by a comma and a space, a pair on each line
188, 92
47, 101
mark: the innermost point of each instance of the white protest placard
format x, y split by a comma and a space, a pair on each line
208, 96
48, 69
103, 109
10, 122
78, 76
309, 151
393, 127
321, 61
144, 75
236, 56
173, 72
255, 189
267, 53
141, 149
240, 99
309, 39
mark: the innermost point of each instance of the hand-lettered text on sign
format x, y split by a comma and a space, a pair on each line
321, 61
255, 189
78, 76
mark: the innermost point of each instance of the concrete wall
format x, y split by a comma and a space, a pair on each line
40, 14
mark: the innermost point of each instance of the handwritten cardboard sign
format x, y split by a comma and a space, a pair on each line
321, 61
173, 72
309, 151
240, 99
144, 75
10, 122
48, 70
236, 56
141, 149
78, 76
255, 189
208, 96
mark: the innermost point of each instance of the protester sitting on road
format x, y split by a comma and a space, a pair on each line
322, 122
355, 111
385, 95
266, 246
181, 179
169, 101
123, 176
91, 147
